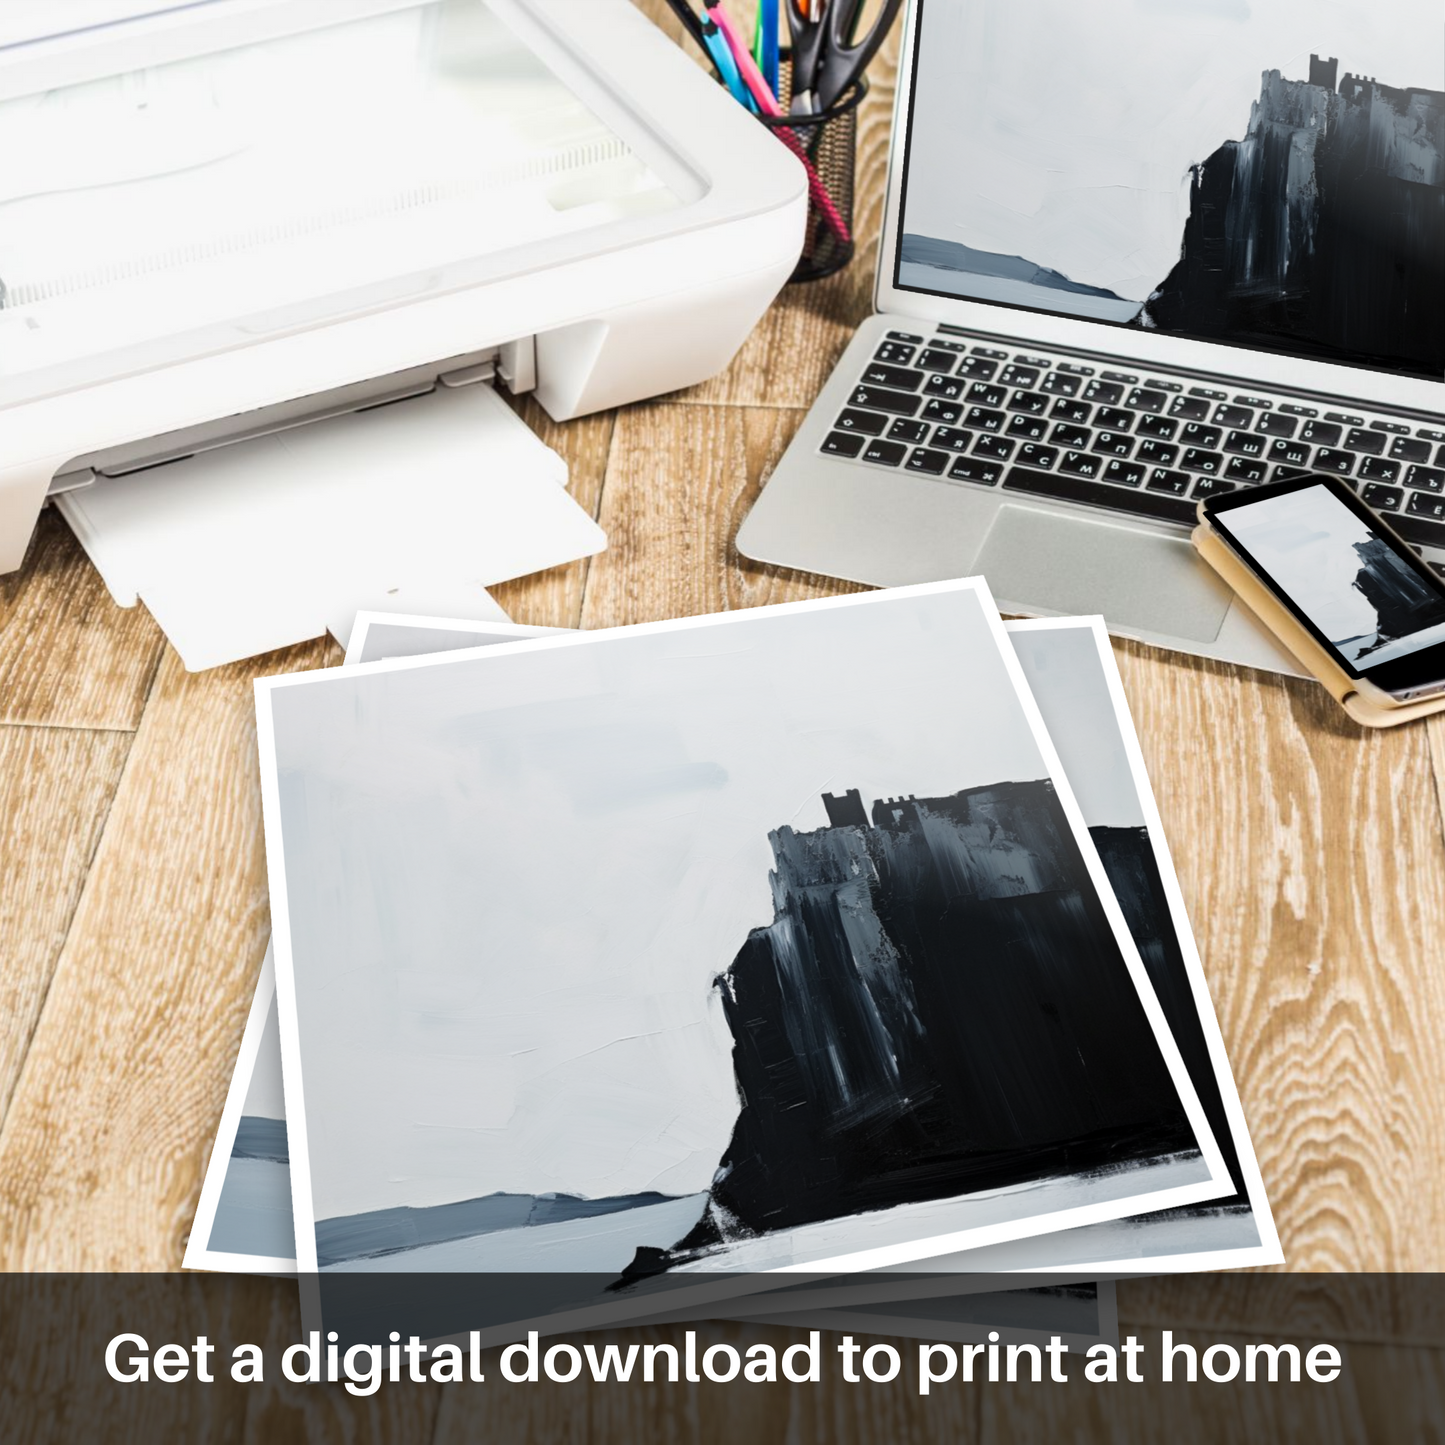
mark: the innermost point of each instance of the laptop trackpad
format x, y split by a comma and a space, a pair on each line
1149, 583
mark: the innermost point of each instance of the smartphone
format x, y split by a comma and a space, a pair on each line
1338, 569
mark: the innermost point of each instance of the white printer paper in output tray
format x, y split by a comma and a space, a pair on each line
416, 506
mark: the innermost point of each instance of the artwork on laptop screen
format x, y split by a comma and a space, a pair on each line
1267, 174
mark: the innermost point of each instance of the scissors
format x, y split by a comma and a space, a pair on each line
827, 55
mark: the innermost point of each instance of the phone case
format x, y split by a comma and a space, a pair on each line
1370, 707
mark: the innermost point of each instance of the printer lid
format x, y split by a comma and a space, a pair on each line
180, 178
23, 22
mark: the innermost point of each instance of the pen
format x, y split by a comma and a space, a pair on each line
724, 57
688, 18
765, 42
714, 46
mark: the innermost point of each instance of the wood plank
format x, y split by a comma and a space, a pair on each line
707, 1413
277, 1412
498, 1411
69, 657
102, 1150
1184, 1413
53, 1334
554, 598
56, 786
1401, 1392
1311, 859
1364, 1308
1435, 732
679, 482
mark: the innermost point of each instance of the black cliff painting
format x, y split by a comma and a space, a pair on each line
1403, 601
1322, 231
1128, 858
939, 1006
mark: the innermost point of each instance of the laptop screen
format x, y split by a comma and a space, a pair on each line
1263, 173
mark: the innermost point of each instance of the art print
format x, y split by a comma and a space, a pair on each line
662, 778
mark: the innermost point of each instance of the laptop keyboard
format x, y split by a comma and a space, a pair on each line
1142, 445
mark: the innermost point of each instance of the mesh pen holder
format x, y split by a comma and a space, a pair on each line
827, 144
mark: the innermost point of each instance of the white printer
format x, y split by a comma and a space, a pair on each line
226, 219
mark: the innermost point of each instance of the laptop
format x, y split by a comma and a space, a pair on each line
1135, 254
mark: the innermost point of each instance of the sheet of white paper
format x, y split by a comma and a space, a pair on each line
418, 505
879, 1243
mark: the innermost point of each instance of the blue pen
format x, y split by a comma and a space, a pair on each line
727, 67
768, 27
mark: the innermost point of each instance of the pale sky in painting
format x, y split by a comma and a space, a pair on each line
514, 877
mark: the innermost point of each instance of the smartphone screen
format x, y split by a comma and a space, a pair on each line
1356, 586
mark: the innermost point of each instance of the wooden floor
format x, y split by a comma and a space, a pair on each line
133, 910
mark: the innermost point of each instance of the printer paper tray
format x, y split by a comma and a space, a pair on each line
416, 506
